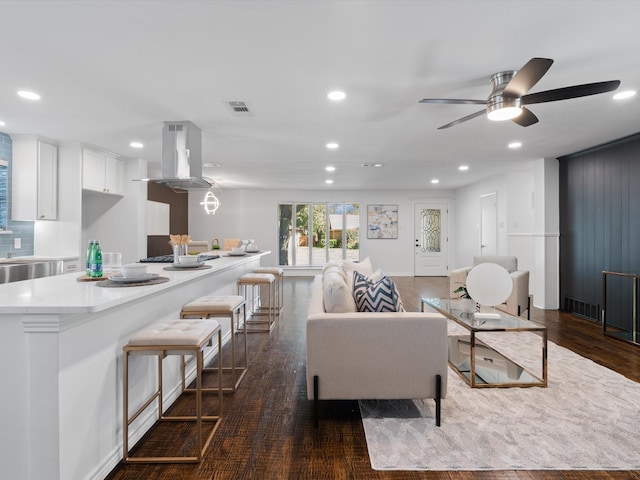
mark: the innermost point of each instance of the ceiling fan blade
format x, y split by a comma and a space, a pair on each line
463, 119
570, 92
458, 101
527, 77
526, 118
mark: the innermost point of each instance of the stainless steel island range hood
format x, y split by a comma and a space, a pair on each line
182, 157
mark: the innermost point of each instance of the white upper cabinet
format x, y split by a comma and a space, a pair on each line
102, 172
34, 179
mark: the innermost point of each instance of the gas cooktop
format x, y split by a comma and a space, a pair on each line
169, 258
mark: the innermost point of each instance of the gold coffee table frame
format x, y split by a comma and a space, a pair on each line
482, 357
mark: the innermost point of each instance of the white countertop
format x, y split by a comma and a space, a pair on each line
63, 294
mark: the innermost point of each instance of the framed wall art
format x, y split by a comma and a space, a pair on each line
382, 221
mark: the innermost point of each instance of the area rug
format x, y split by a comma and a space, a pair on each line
588, 418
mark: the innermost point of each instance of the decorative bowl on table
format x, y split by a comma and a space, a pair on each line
188, 259
133, 270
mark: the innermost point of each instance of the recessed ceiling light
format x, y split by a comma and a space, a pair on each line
2, 124
336, 95
463, 168
625, 94
211, 165
136, 145
374, 165
332, 145
330, 169
28, 95
515, 145
435, 180
328, 182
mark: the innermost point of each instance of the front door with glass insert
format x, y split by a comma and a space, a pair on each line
431, 239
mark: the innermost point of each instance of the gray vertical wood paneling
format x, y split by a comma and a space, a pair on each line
599, 224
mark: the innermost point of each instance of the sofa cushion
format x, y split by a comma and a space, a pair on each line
336, 294
380, 296
332, 265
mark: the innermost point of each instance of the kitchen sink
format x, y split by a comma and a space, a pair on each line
15, 270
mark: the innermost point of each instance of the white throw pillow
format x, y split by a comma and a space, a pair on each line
363, 266
376, 276
336, 294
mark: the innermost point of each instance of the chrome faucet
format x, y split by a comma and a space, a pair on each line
9, 255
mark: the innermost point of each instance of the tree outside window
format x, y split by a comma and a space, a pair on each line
331, 233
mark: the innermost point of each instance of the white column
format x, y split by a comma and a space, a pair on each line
546, 287
44, 408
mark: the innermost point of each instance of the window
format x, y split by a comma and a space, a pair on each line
310, 234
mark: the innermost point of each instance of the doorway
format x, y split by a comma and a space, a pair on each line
431, 251
488, 224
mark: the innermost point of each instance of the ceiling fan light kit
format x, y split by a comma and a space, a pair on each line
509, 94
500, 107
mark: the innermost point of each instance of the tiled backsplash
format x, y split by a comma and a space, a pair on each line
21, 230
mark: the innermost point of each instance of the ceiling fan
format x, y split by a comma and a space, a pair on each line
509, 94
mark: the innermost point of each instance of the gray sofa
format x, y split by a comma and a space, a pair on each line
357, 356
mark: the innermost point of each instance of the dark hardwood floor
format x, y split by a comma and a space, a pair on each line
267, 432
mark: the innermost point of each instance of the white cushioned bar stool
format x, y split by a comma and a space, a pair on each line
173, 337
230, 306
279, 274
247, 286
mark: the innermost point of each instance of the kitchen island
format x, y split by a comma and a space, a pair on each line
61, 365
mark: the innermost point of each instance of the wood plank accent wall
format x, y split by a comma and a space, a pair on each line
599, 226
178, 217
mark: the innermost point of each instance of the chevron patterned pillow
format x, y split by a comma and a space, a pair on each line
376, 296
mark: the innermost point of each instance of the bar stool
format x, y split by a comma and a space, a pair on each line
279, 274
229, 306
173, 337
253, 280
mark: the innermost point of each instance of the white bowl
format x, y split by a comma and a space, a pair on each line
237, 251
187, 259
252, 247
133, 270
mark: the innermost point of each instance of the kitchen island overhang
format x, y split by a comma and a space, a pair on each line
61, 362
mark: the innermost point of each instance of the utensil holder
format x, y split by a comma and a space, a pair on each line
177, 251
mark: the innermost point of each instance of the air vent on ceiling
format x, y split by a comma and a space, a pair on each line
239, 108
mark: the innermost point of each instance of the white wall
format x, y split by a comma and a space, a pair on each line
248, 213
514, 196
528, 224
119, 222
253, 214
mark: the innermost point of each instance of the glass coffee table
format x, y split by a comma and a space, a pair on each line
481, 365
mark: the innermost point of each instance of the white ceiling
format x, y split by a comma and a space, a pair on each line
110, 72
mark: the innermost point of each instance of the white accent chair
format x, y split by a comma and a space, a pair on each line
518, 301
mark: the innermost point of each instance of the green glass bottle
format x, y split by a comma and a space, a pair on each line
94, 259
90, 249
